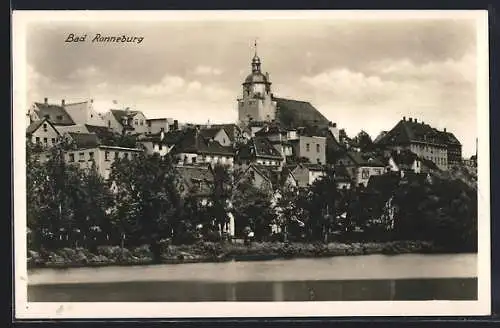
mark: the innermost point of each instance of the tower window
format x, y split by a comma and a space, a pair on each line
317, 148
308, 147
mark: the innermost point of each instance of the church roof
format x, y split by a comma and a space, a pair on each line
408, 131
256, 77
294, 113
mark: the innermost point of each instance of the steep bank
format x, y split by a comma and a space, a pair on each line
217, 252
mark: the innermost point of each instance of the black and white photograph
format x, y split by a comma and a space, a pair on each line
251, 163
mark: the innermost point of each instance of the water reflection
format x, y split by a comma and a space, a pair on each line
311, 290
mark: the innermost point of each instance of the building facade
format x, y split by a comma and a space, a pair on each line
43, 133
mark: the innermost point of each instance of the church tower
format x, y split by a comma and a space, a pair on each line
256, 104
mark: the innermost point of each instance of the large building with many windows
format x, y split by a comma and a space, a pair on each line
440, 147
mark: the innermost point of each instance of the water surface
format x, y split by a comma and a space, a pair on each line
348, 278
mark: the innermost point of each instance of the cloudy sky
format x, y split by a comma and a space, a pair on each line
360, 74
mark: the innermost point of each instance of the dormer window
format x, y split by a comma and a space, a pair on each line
59, 117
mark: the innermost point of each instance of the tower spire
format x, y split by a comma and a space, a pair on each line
255, 46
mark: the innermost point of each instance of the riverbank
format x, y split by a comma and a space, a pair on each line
218, 252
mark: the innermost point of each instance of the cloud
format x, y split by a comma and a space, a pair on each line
207, 70
85, 73
167, 86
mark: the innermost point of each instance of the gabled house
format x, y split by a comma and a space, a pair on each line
306, 173
55, 113
361, 166
193, 148
270, 178
260, 151
126, 121
83, 113
43, 132
195, 180
218, 134
404, 161
232, 130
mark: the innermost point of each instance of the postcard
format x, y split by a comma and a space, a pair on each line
174, 164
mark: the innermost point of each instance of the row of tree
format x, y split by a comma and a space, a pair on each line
142, 203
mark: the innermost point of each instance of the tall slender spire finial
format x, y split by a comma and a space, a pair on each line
255, 46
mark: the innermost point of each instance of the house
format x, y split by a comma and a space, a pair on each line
232, 130
310, 147
87, 150
218, 134
193, 148
157, 125
270, 178
55, 113
105, 134
278, 137
43, 132
260, 151
423, 140
306, 173
361, 166
404, 160
197, 181
126, 121
84, 113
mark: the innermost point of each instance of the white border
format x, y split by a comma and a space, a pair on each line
25, 310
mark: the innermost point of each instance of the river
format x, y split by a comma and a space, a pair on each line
346, 278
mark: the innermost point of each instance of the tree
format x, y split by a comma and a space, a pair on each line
363, 141
147, 199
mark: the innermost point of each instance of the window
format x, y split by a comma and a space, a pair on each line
365, 174
318, 148
106, 155
136, 122
193, 159
91, 115
59, 117
308, 147
81, 157
162, 129
44, 127
117, 155
45, 140
109, 123
141, 122
53, 140
125, 155
37, 139
71, 157
91, 156
160, 146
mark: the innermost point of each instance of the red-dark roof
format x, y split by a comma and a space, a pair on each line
119, 114
54, 113
258, 147
365, 159
197, 179
36, 124
191, 141
84, 140
407, 131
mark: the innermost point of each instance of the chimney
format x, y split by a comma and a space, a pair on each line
46, 100
62, 102
91, 101
404, 118
444, 129
415, 120
176, 125
410, 119
208, 124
